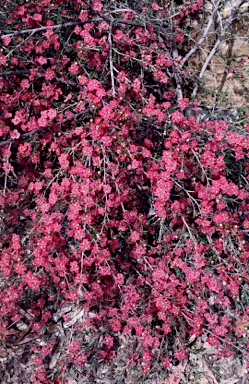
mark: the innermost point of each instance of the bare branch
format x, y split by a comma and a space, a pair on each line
27, 134
35, 30
103, 17
217, 44
15, 73
110, 57
204, 36
189, 230
178, 78
177, 75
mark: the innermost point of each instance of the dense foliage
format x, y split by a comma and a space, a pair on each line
115, 194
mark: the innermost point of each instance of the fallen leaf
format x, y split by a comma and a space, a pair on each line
208, 372
241, 325
175, 377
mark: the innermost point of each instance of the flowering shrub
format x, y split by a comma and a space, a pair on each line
114, 194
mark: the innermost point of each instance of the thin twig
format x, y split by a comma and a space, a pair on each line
39, 74
110, 57
32, 31
129, 22
16, 72
6, 177
34, 131
189, 230
161, 230
217, 44
44, 28
191, 197
204, 36
203, 170
27, 134
177, 76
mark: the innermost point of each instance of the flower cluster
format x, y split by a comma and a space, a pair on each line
114, 198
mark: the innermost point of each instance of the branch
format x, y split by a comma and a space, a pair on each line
177, 75
110, 57
35, 30
27, 134
16, 72
128, 22
32, 31
217, 44
34, 131
189, 230
39, 74
204, 36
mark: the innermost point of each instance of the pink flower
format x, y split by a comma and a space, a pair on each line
63, 160
32, 281
74, 347
7, 167
134, 164
42, 60
108, 342
51, 113
135, 236
25, 84
49, 74
3, 60
177, 117
183, 103
74, 69
181, 354
107, 141
15, 134
20, 268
